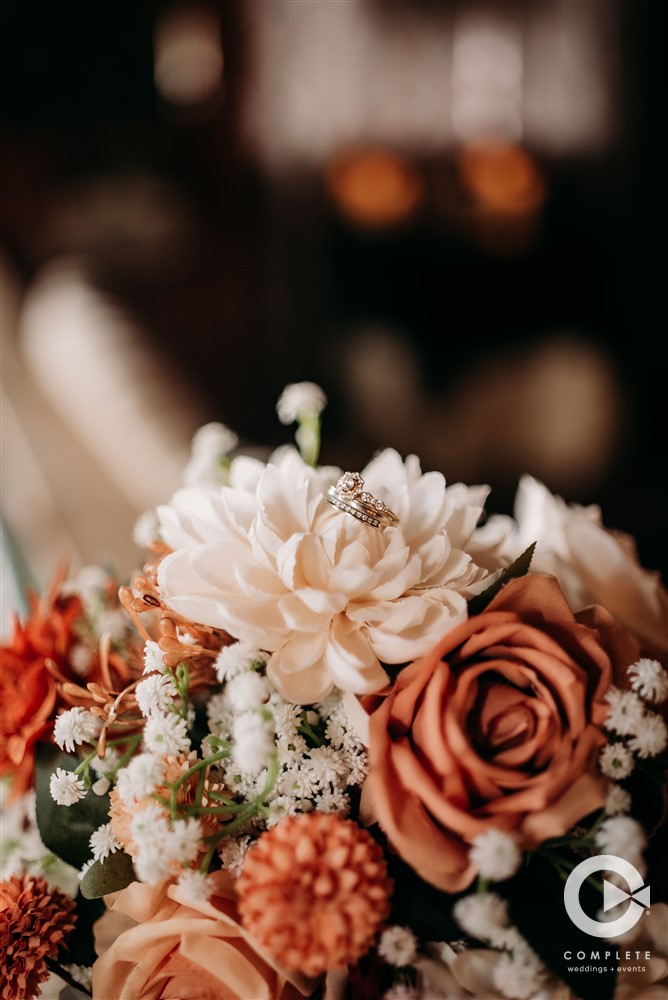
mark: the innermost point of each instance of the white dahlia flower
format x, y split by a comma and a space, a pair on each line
328, 597
593, 565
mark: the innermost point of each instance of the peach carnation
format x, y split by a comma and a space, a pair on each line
157, 943
314, 891
34, 921
122, 813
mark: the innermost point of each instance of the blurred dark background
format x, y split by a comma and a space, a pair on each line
448, 213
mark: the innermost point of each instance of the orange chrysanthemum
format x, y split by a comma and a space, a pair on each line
38, 676
28, 691
34, 921
314, 891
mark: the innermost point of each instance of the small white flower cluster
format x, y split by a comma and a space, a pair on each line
240, 713
153, 658
166, 735
303, 402
74, 727
209, 456
156, 695
194, 886
637, 731
66, 787
519, 973
649, 679
163, 846
298, 400
239, 658
318, 756
624, 837
159, 701
496, 855
398, 946
232, 852
103, 842
140, 777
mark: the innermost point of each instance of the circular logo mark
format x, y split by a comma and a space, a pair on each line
612, 895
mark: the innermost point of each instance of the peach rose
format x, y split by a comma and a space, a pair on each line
498, 727
155, 944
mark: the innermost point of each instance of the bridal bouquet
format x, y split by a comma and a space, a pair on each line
344, 735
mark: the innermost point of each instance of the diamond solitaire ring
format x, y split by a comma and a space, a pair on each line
350, 496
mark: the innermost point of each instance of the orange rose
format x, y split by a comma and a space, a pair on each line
498, 727
156, 945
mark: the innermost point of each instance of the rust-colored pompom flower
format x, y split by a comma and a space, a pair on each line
314, 891
34, 920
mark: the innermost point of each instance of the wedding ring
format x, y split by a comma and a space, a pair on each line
350, 497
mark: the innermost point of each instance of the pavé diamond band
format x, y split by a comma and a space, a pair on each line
350, 497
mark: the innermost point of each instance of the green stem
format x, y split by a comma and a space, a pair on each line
128, 755
306, 730
252, 808
232, 827
85, 762
232, 807
199, 792
200, 766
310, 450
54, 966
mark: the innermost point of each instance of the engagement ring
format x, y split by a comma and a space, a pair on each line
350, 496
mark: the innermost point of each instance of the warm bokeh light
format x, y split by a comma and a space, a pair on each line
374, 186
499, 195
501, 176
188, 55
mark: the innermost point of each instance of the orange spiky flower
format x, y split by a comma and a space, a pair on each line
34, 922
314, 891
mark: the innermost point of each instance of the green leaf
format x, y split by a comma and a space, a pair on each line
110, 875
649, 793
513, 572
536, 907
415, 903
66, 830
421, 906
81, 943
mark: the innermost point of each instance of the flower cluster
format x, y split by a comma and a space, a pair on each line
311, 752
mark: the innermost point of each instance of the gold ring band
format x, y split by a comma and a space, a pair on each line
350, 497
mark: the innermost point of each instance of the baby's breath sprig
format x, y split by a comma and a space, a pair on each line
63, 784
302, 403
245, 813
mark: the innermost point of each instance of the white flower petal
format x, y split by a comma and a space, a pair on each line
414, 627
299, 671
298, 617
352, 663
272, 563
245, 473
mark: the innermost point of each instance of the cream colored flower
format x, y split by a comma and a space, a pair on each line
329, 597
593, 565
